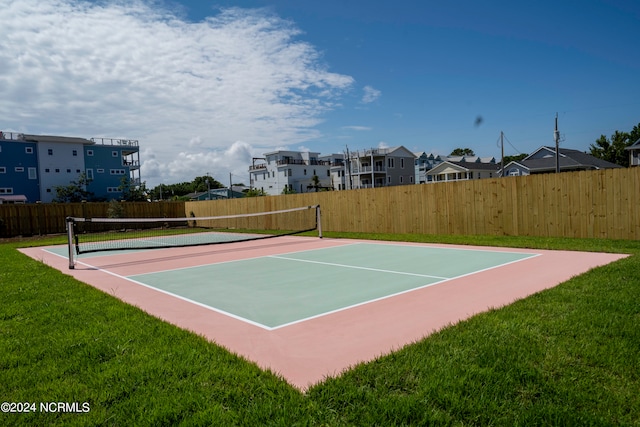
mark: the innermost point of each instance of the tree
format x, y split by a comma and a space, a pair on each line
613, 150
508, 159
315, 183
634, 135
255, 192
200, 184
288, 190
132, 193
462, 152
115, 209
176, 191
75, 192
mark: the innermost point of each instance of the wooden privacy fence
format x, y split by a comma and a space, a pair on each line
584, 204
602, 203
49, 218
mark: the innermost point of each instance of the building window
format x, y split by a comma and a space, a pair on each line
75, 152
28, 150
19, 169
305, 171
89, 173
390, 162
388, 180
114, 154
50, 151
402, 163
33, 173
7, 190
57, 170
3, 169
89, 153
100, 170
68, 170
77, 170
401, 179
47, 170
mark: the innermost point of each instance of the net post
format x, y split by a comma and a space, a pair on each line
319, 221
70, 241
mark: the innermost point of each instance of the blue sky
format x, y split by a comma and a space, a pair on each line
205, 86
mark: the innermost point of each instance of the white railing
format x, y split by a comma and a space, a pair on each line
12, 136
115, 141
368, 169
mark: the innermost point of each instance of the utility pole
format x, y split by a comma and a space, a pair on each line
208, 188
556, 136
348, 169
502, 152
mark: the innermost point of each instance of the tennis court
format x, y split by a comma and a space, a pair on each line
308, 308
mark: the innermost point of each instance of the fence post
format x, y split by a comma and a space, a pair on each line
70, 237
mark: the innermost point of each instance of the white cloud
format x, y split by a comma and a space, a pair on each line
200, 97
186, 165
357, 128
383, 144
370, 95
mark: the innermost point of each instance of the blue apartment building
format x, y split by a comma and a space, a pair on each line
31, 166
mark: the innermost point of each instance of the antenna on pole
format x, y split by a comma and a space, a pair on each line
556, 136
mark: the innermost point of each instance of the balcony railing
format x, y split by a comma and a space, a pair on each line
377, 185
11, 136
114, 141
282, 162
368, 169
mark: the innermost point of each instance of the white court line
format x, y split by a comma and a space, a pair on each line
230, 261
217, 310
439, 281
444, 280
355, 267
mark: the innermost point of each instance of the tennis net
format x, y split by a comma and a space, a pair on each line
87, 235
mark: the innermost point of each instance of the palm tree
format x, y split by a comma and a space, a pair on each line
612, 150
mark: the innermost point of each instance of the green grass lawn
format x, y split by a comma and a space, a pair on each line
566, 356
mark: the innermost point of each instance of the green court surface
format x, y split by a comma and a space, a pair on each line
275, 291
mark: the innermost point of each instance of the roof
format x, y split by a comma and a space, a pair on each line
386, 151
471, 159
216, 193
430, 156
634, 146
53, 138
464, 166
476, 166
569, 159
